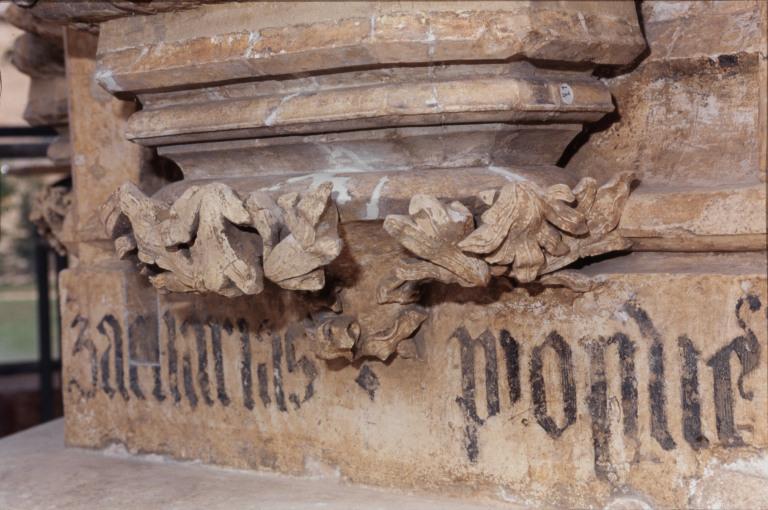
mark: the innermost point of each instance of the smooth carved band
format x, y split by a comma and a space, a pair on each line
212, 240
525, 232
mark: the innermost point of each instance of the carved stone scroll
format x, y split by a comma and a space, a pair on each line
335, 336
338, 335
382, 344
212, 240
525, 232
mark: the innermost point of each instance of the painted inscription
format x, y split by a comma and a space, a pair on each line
744, 349
192, 376
270, 372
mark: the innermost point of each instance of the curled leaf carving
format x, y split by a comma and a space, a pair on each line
50, 214
337, 335
524, 232
212, 240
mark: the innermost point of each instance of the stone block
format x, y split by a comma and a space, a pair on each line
565, 398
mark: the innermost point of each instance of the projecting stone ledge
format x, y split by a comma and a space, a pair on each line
120, 481
33, 463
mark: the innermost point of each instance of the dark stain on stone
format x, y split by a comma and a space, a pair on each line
728, 60
368, 380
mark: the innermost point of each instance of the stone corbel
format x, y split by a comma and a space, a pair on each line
526, 233
213, 240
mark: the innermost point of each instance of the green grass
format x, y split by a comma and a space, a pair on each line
18, 331
15, 288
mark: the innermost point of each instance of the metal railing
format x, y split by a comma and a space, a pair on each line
32, 142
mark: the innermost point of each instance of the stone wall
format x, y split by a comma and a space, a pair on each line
365, 256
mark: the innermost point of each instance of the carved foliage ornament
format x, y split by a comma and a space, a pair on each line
525, 233
338, 335
212, 240
50, 214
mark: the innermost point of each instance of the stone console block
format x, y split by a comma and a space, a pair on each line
417, 245
657, 375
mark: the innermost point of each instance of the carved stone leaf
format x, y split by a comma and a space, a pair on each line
125, 245
564, 217
313, 241
50, 214
527, 223
266, 217
602, 208
573, 280
560, 192
204, 242
432, 232
528, 261
610, 199
585, 192
382, 344
551, 240
517, 226
525, 232
495, 222
335, 336
223, 255
144, 216
291, 266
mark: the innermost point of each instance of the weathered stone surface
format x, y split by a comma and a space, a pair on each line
546, 406
39, 54
95, 11
689, 113
25, 20
251, 39
47, 104
38, 57
102, 159
482, 350
526, 231
37, 469
212, 240
690, 218
499, 147
511, 93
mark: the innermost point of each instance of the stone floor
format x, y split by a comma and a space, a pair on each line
37, 472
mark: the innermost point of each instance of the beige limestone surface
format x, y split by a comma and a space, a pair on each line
15, 84
38, 473
545, 407
693, 109
625, 385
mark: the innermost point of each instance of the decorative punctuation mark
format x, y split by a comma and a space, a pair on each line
368, 381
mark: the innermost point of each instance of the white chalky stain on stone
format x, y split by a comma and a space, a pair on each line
755, 466
253, 37
340, 157
106, 79
566, 93
273, 114
340, 191
583, 23
372, 207
506, 173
